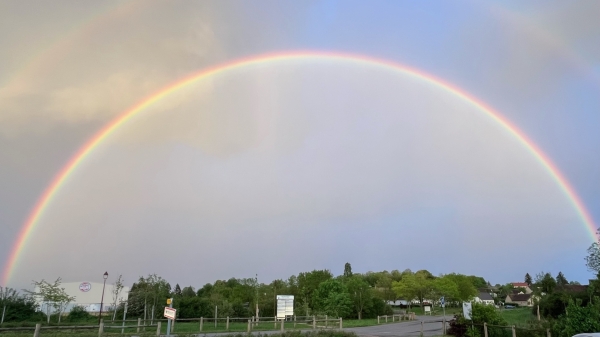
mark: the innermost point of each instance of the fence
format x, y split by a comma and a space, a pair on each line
188, 326
400, 317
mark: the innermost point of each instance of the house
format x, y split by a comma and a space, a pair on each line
522, 285
523, 300
576, 288
484, 298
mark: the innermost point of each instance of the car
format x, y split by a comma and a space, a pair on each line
508, 306
589, 334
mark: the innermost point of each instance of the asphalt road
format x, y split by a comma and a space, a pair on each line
432, 326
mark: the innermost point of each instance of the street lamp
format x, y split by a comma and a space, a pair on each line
102, 300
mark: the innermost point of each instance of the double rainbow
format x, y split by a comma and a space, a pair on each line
88, 148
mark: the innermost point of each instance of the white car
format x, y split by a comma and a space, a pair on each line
588, 334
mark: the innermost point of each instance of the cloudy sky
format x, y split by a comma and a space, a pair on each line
301, 164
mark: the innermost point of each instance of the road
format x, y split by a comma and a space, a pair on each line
432, 326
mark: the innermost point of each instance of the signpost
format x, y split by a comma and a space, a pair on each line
443, 302
170, 314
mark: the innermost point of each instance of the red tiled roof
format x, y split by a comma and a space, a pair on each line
520, 284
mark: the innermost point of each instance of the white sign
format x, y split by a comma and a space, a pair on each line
427, 309
170, 313
467, 309
285, 306
85, 287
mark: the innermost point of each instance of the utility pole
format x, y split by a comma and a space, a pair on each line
256, 295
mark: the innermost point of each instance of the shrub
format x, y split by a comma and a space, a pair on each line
480, 314
578, 319
78, 313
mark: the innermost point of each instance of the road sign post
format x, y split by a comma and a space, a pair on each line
170, 314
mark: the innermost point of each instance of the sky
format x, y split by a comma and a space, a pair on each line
289, 166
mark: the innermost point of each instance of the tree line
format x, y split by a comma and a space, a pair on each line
318, 292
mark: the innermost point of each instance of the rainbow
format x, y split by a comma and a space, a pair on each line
41, 62
88, 148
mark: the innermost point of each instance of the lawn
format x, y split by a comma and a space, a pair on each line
518, 316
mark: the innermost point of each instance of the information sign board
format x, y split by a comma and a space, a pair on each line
170, 313
285, 306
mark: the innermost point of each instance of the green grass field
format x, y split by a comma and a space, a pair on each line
518, 316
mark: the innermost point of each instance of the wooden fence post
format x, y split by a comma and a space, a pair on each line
36, 333
485, 332
341, 327
377, 319
548, 333
326, 325
201, 323
227, 324
249, 326
314, 322
172, 326
295, 322
139, 323
514, 332
158, 328
282, 325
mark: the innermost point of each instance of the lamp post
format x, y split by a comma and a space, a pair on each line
102, 300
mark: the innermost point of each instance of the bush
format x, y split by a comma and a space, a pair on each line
460, 326
78, 314
578, 319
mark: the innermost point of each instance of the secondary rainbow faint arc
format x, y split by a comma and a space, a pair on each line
107, 130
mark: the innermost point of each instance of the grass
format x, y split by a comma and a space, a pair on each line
518, 316
193, 327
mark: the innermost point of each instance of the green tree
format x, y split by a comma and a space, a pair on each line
528, 279
360, 293
308, 284
578, 319
547, 284
466, 289
412, 286
347, 270
52, 295
592, 260
561, 280
383, 287
332, 298
177, 290
188, 292
447, 287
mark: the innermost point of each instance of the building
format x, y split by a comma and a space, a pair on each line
522, 285
484, 298
523, 300
89, 295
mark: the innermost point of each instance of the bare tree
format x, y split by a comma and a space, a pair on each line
116, 292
